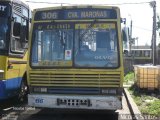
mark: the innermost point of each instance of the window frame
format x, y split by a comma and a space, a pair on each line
73, 59
16, 52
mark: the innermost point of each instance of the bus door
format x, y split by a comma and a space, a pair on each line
18, 49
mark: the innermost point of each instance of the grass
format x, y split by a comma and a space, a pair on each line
147, 103
152, 108
129, 78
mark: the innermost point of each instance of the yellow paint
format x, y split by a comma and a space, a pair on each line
15, 70
3, 63
97, 25
58, 26
72, 73
55, 63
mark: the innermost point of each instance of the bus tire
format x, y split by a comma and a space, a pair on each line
22, 95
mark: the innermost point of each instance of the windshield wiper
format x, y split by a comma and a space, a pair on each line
86, 31
60, 36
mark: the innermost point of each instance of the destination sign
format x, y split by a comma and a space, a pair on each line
69, 14
53, 26
2, 7
4, 10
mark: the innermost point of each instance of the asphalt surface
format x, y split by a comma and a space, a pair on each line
50, 114
13, 110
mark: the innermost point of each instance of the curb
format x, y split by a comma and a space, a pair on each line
135, 112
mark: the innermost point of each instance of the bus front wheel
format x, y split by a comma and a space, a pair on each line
23, 91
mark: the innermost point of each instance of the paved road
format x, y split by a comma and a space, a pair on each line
29, 113
20, 111
50, 114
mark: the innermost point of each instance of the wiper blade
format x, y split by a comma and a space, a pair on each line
59, 34
86, 31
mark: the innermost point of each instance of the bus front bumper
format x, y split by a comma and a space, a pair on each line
75, 102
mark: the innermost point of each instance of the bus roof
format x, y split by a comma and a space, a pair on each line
76, 6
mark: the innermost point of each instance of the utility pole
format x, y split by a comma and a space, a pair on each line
153, 5
130, 38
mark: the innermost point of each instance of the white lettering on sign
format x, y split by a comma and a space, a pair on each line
49, 15
103, 57
2, 8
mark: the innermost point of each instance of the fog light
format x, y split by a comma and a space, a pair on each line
112, 91
43, 89
105, 91
37, 89
109, 91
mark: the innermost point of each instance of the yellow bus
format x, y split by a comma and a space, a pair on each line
14, 29
75, 58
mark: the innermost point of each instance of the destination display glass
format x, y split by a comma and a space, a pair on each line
76, 14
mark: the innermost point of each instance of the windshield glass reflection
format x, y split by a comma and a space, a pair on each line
97, 47
3, 32
52, 47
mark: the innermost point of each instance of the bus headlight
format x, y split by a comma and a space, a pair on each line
1, 74
39, 89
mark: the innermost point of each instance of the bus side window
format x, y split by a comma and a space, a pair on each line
16, 29
24, 30
20, 34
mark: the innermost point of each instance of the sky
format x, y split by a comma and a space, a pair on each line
140, 14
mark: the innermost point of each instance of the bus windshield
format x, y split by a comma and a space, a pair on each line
50, 46
3, 31
97, 46
77, 45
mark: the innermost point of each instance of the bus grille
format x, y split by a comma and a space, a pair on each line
75, 79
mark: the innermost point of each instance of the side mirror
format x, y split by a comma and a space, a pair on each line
125, 34
16, 29
123, 20
125, 52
